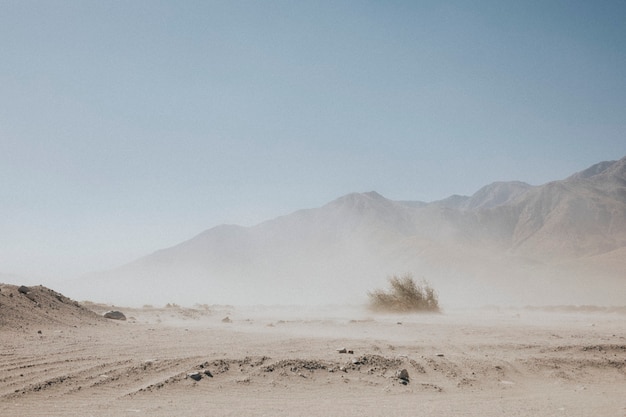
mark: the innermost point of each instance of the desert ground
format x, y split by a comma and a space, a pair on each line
62, 358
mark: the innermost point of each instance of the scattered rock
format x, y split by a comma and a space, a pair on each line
342, 350
196, 376
208, 373
350, 352
244, 381
403, 376
226, 320
440, 355
115, 315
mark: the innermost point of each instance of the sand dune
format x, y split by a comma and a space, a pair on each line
285, 362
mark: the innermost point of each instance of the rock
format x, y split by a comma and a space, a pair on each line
440, 355
403, 376
342, 350
27, 293
226, 320
208, 373
115, 315
196, 376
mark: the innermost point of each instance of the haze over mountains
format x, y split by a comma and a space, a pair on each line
563, 242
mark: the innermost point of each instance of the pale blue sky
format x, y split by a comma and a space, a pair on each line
129, 126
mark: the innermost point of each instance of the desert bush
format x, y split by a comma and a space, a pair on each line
404, 295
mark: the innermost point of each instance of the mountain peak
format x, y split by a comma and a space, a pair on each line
592, 171
490, 196
497, 194
374, 195
608, 176
360, 199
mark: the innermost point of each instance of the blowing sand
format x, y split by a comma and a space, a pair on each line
264, 361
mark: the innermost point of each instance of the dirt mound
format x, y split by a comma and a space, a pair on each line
28, 307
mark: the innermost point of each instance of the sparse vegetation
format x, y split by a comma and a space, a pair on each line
404, 296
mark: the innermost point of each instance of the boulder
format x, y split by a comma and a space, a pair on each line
27, 293
115, 315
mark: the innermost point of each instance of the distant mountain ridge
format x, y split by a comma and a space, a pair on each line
498, 243
490, 196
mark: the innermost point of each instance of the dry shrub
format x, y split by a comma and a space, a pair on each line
404, 296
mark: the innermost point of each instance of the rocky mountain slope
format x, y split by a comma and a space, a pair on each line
561, 242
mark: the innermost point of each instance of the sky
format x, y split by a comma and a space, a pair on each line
131, 126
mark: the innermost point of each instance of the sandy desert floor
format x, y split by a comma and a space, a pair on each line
286, 362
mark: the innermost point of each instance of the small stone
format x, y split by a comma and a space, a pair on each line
440, 355
403, 375
226, 320
350, 352
195, 376
342, 350
208, 373
23, 289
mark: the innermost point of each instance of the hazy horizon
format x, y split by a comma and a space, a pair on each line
128, 127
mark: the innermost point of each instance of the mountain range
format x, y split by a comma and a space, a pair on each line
563, 242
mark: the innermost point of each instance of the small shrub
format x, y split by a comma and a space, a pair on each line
404, 296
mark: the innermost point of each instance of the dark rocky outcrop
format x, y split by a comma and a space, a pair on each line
114, 315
